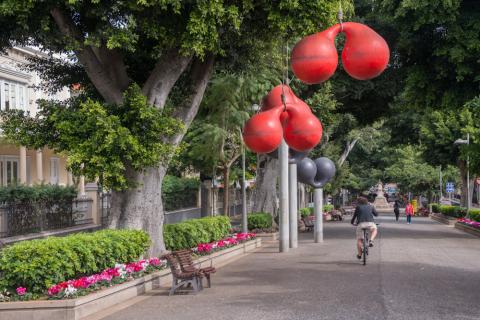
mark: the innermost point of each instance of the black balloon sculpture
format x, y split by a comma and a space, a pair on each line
315, 173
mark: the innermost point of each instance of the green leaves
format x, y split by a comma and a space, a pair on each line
106, 140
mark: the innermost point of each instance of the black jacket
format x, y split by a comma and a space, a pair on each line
364, 213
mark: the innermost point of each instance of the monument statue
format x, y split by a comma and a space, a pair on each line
380, 200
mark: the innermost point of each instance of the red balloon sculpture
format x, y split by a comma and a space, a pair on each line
301, 129
364, 56
263, 132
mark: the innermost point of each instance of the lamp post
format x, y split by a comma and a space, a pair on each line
255, 108
467, 142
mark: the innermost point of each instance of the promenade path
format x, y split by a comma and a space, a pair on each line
421, 271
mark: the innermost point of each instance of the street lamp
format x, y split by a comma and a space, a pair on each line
467, 142
255, 108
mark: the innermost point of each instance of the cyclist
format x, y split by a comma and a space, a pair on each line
363, 218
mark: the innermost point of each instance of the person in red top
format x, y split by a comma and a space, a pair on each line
409, 212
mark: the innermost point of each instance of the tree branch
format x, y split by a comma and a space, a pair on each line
347, 151
185, 112
94, 67
168, 69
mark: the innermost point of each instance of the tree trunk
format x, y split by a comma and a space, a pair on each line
141, 206
265, 193
302, 196
226, 182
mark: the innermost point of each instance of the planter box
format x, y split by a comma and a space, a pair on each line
268, 236
75, 309
443, 219
468, 229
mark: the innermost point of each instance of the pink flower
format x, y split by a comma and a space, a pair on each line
154, 261
21, 291
204, 247
54, 290
105, 276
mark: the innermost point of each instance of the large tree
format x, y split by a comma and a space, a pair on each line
167, 50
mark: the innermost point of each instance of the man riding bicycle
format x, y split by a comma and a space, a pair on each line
363, 219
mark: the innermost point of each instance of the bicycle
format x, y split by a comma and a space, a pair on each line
366, 244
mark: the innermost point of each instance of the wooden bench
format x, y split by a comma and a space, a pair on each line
182, 278
186, 265
309, 223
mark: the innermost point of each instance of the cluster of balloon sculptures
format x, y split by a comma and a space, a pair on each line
314, 59
283, 115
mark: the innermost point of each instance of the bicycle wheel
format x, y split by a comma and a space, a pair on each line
365, 246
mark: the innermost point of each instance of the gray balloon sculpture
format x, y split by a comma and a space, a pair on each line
294, 156
315, 173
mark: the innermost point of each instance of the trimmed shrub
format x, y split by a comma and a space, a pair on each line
190, 233
453, 211
44, 192
327, 207
39, 264
474, 214
259, 220
305, 212
435, 208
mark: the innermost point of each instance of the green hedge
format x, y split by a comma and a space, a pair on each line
178, 193
475, 214
188, 234
450, 211
259, 220
38, 264
46, 192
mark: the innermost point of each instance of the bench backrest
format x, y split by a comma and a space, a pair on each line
185, 260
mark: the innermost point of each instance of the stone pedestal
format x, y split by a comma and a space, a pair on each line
380, 202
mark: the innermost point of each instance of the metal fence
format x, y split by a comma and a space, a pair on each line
30, 217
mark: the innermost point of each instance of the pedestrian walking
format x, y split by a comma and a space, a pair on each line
396, 209
409, 212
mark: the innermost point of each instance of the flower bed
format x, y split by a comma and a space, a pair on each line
208, 248
470, 223
118, 274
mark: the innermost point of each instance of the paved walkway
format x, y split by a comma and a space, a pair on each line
421, 271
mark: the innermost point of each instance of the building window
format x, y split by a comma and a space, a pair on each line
54, 170
13, 95
9, 170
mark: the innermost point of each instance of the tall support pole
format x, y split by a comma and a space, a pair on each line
318, 210
441, 184
468, 178
284, 230
293, 204
244, 194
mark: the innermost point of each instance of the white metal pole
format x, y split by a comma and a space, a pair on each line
283, 217
468, 177
318, 210
244, 194
441, 184
293, 204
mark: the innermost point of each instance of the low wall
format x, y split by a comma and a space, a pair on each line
76, 309
468, 229
443, 219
